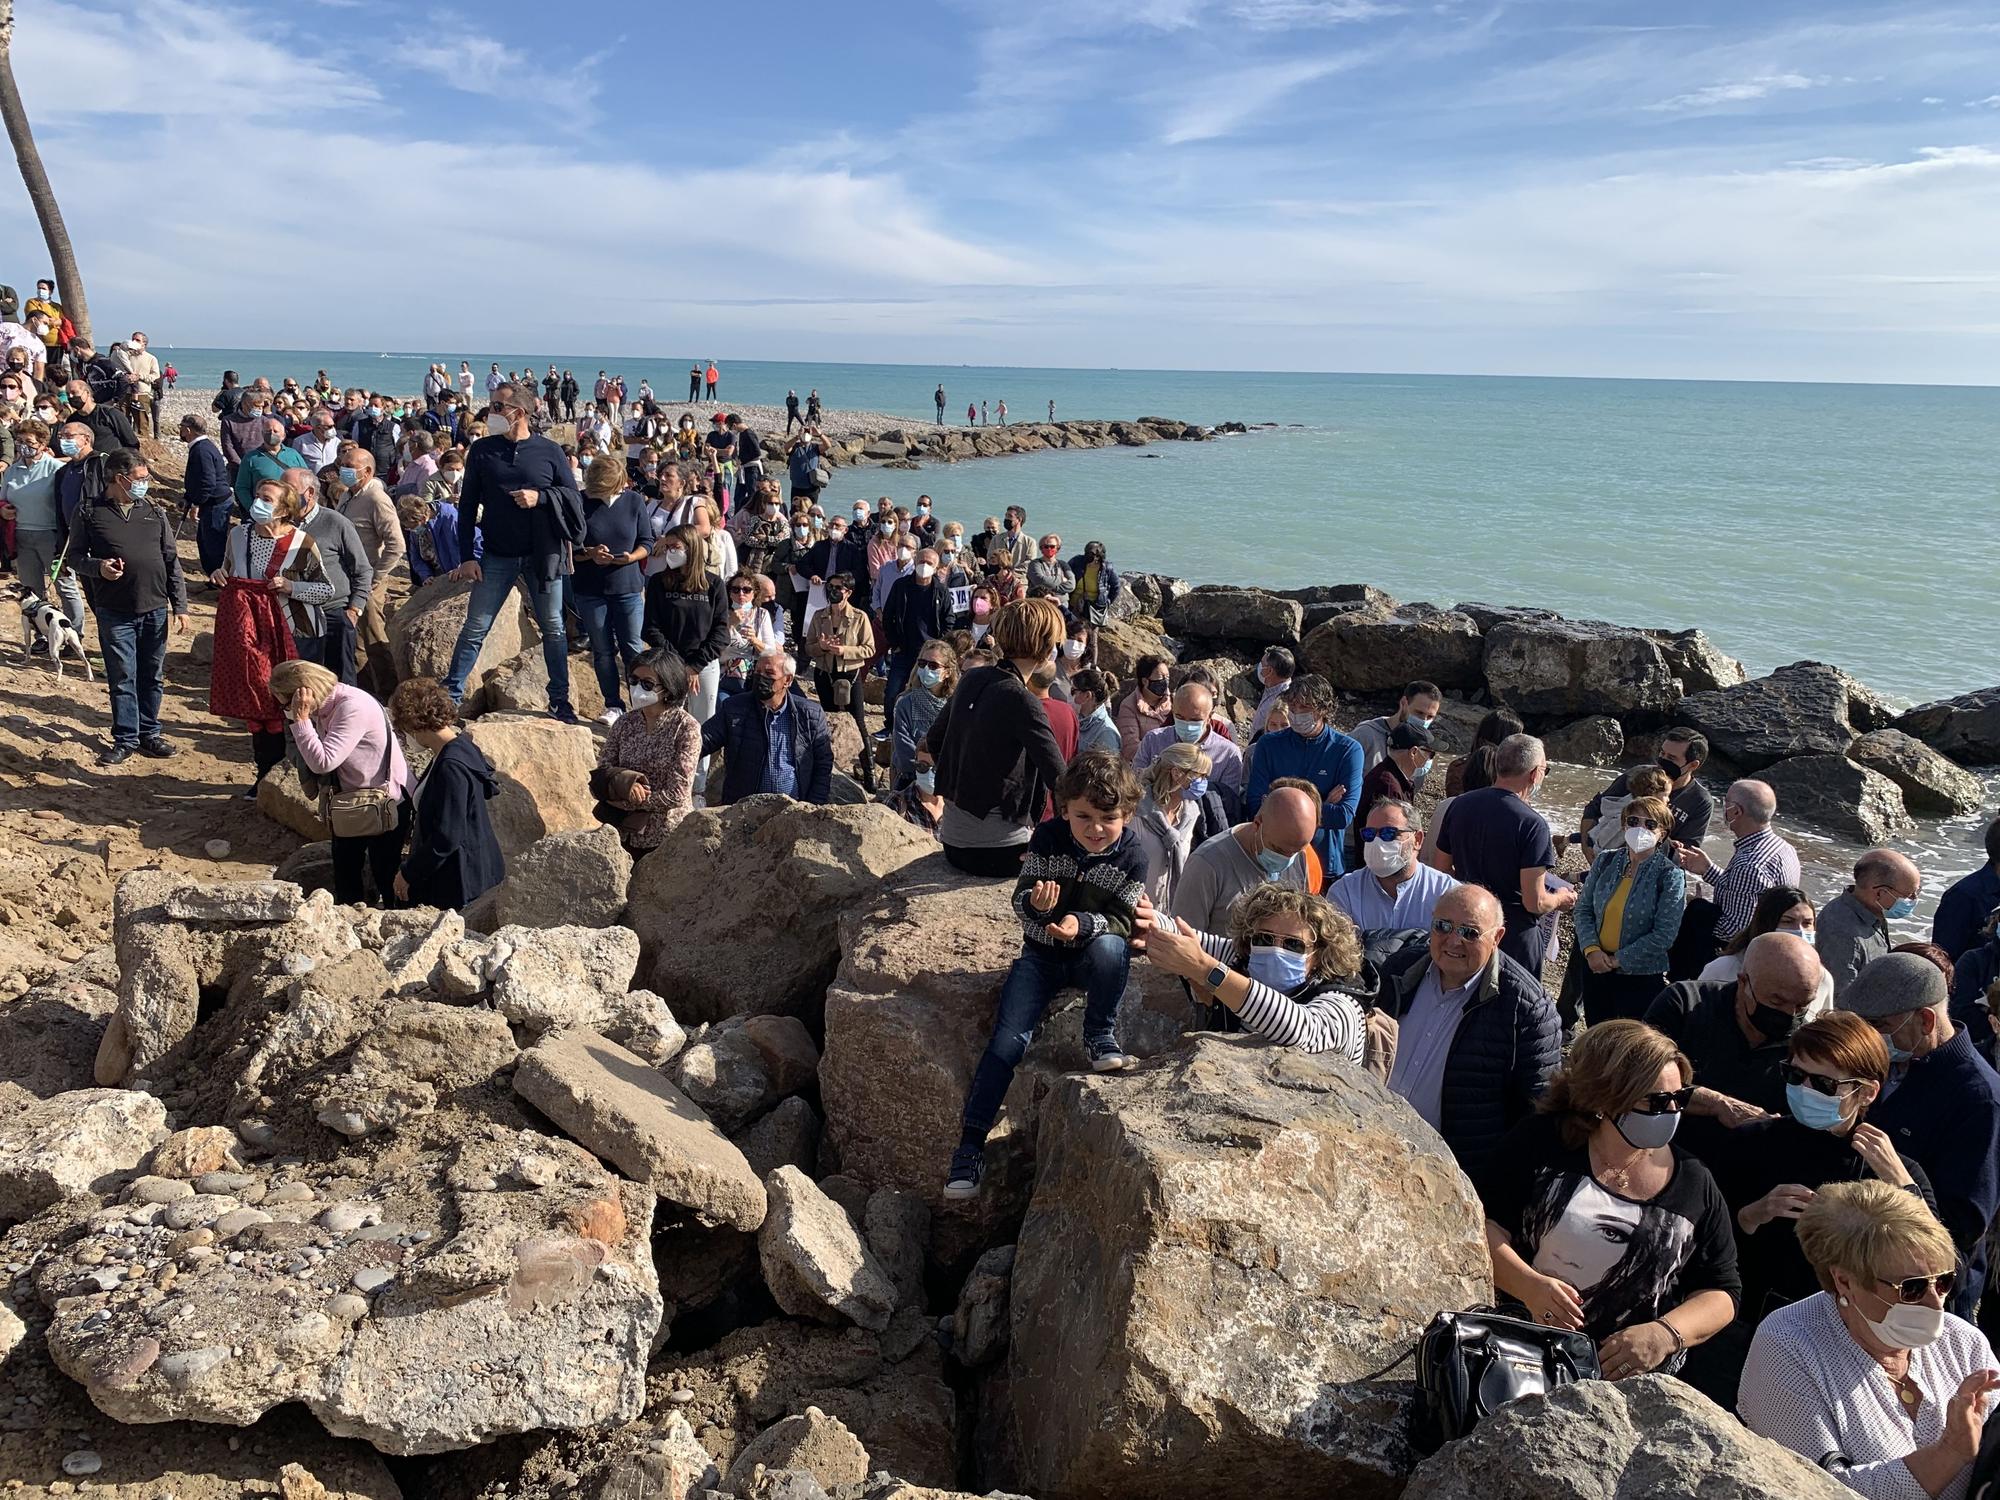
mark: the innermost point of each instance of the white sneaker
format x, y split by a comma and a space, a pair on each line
611, 716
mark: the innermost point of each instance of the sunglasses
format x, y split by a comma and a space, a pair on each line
1792, 1073
651, 684
1647, 823
1279, 940
1671, 1102
1912, 1288
1383, 835
1444, 928
739, 593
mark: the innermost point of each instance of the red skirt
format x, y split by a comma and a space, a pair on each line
251, 637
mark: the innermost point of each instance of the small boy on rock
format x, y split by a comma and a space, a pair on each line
1077, 898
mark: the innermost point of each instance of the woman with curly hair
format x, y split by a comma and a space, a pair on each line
1290, 969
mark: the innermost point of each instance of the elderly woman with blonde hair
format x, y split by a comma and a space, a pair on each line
1871, 1378
1177, 812
1290, 969
341, 735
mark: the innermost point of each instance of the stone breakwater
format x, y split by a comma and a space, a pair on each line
1839, 755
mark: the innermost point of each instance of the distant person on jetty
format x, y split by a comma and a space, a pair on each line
812, 408
971, 414
792, 418
520, 496
982, 414
938, 397
1052, 408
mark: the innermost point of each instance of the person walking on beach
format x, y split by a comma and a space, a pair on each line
791, 411
714, 375
939, 399
570, 391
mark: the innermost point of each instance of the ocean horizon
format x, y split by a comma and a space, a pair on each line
1844, 523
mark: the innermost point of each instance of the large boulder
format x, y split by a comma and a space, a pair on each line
737, 911
544, 771
1596, 741
1322, 601
521, 686
1967, 728
566, 879
906, 1021
1120, 644
815, 1261
1930, 783
54, 1028
1562, 669
612, 1104
475, 1280
1216, 1256
1651, 1436
1837, 796
1256, 617
1807, 708
1697, 665
281, 797
423, 633
73, 1145
1377, 651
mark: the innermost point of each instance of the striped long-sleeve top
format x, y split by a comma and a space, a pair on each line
1100, 890
1325, 1022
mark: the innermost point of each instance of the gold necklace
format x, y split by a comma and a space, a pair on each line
1620, 1177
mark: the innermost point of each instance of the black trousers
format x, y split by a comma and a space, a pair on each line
823, 685
1617, 996
987, 864
378, 856
266, 749
694, 387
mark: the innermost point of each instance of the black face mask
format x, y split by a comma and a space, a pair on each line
1674, 772
763, 684
836, 596
1776, 1025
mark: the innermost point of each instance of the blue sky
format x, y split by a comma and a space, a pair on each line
1763, 190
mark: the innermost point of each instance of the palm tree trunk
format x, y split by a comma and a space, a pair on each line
69, 282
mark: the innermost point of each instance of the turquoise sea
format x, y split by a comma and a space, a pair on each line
1853, 524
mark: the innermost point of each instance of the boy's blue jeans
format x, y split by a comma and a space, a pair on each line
1099, 968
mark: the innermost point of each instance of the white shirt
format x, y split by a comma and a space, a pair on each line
1809, 1386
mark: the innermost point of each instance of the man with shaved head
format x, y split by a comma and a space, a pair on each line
1737, 1032
1268, 847
1193, 724
1477, 1036
1760, 860
1853, 927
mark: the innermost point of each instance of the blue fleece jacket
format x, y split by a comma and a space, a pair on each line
1328, 760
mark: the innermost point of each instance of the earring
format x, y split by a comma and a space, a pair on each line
1843, 1302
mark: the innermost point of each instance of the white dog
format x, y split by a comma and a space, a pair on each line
54, 634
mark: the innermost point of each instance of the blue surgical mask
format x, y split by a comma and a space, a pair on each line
139, 488
1273, 863
1420, 723
1901, 908
262, 510
1187, 731
1196, 789
1803, 934
930, 677
66, 447
1281, 969
927, 780
347, 475
1897, 1052
1811, 1108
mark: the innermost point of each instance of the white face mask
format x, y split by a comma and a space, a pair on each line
1641, 840
924, 572
903, 554
675, 557
1385, 857
497, 425
1072, 649
1905, 1326
643, 697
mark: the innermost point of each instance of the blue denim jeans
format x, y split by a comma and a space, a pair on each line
612, 620
489, 596
901, 665
135, 657
1099, 968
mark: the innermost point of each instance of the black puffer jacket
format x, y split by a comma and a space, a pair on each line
1508, 1043
995, 751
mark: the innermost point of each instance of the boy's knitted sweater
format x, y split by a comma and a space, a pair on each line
1100, 890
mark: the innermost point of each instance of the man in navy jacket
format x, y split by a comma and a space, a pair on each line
207, 490
772, 738
520, 499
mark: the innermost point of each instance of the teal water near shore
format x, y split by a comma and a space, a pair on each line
1853, 524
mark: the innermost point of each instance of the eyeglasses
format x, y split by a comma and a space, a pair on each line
1643, 823
1383, 835
1280, 940
1792, 1073
1444, 928
1671, 1102
1912, 1288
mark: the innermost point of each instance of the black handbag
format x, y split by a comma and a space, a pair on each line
1469, 1364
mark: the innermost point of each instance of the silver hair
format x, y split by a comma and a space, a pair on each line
1518, 755
1411, 818
1754, 799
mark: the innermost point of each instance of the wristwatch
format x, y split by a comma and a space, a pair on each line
1213, 979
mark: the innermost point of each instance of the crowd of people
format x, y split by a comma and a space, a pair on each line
1749, 1138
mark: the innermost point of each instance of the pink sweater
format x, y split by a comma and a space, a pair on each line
346, 736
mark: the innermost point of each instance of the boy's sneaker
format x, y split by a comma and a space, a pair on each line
968, 1165
1106, 1058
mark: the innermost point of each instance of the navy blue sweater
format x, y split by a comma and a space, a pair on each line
454, 857
495, 467
207, 481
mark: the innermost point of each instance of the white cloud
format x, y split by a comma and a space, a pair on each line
1743, 91
1932, 99
1224, 102
474, 64
1991, 101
